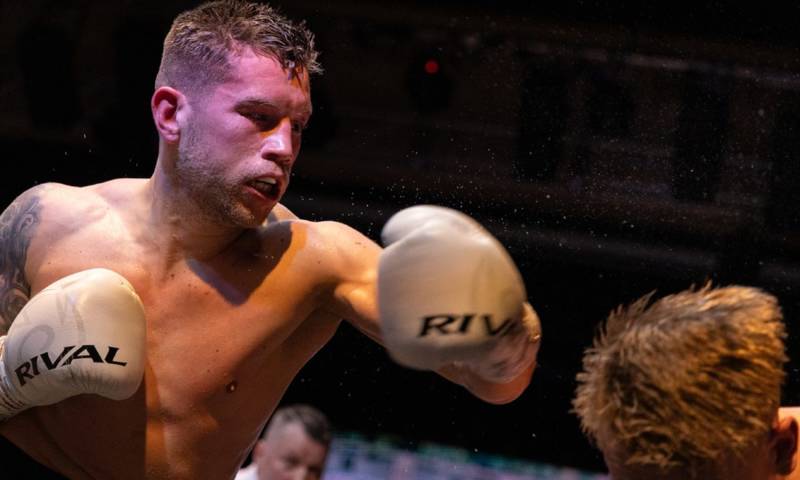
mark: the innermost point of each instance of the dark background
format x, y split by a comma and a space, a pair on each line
615, 150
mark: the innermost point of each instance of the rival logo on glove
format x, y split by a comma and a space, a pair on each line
449, 324
30, 368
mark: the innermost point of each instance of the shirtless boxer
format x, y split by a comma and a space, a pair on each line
689, 388
201, 280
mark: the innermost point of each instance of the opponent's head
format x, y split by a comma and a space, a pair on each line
689, 387
232, 98
294, 445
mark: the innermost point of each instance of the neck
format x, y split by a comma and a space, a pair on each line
180, 225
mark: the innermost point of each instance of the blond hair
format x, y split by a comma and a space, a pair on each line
692, 378
200, 41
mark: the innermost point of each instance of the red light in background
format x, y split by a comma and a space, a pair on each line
431, 67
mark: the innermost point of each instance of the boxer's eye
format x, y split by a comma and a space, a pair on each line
262, 121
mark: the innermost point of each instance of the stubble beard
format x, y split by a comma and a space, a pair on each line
202, 181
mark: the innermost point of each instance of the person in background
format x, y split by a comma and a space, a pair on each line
293, 447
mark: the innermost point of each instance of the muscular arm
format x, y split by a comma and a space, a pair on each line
355, 299
18, 224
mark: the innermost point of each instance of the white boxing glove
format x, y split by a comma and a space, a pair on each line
449, 293
85, 333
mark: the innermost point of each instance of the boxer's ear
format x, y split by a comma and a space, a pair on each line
783, 445
165, 104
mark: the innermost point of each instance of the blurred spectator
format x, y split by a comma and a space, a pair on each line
293, 447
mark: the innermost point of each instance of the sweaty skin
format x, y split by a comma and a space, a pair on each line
239, 294
225, 335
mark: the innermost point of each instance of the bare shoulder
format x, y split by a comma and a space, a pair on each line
279, 213
25, 216
116, 191
345, 241
336, 248
34, 222
62, 199
349, 262
61, 209
20, 223
330, 235
351, 257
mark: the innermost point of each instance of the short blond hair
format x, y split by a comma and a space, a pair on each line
200, 41
685, 381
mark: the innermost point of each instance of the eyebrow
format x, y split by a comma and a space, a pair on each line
255, 102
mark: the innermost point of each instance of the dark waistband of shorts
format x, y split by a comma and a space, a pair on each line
13, 459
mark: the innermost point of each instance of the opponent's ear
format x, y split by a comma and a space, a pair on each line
783, 445
164, 104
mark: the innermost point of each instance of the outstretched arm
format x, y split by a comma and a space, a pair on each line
482, 368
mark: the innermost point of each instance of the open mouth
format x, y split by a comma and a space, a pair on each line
267, 187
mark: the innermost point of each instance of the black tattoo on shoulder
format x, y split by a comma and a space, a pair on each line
17, 225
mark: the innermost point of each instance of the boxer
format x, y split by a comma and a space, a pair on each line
152, 325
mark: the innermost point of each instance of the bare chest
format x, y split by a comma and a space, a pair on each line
205, 347
220, 334
224, 341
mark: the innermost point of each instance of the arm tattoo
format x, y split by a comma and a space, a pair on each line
17, 225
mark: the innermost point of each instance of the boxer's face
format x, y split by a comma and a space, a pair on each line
289, 454
240, 138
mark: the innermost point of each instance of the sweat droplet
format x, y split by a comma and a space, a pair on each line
231, 387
